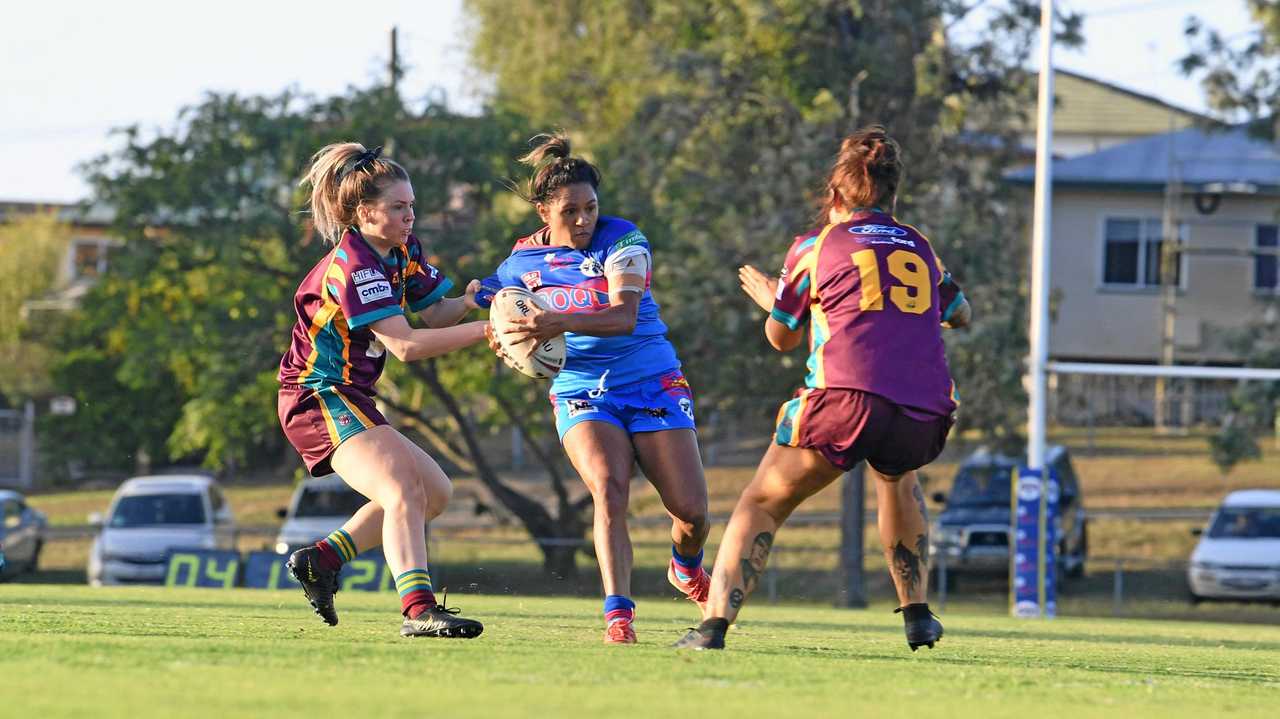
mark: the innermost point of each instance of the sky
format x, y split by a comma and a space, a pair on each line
72, 71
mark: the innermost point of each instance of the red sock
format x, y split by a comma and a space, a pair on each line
417, 602
329, 558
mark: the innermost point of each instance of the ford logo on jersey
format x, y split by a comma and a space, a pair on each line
878, 230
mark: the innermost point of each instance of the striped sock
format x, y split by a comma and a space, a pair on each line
686, 567
415, 592
336, 549
618, 607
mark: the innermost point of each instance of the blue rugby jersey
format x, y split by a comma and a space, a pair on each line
573, 280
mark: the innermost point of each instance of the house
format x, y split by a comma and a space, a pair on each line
1092, 115
88, 252
1222, 187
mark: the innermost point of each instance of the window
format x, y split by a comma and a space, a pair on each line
1264, 266
87, 259
1131, 252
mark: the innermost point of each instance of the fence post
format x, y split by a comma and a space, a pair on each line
27, 447
852, 519
1117, 598
941, 589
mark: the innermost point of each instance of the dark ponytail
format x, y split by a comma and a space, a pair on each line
553, 168
865, 173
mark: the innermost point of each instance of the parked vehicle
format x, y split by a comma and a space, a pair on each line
319, 506
151, 516
971, 534
1238, 556
21, 534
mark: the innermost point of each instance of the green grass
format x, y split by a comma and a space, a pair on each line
76, 651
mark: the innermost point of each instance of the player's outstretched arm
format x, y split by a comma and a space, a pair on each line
450, 310
409, 344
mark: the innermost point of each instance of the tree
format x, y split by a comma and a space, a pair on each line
716, 122
196, 310
32, 246
1240, 74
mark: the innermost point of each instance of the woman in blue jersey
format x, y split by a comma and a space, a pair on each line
621, 396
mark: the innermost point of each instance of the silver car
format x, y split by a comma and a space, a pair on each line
318, 507
151, 516
21, 535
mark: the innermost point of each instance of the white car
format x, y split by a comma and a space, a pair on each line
21, 534
319, 506
1238, 556
151, 516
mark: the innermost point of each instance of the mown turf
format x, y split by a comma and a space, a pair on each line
77, 651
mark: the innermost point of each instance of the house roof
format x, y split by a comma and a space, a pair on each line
1089, 106
1200, 157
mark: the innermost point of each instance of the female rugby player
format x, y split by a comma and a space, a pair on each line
621, 396
874, 296
352, 310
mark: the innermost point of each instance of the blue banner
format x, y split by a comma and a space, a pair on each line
1027, 551
367, 572
1049, 597
1033, 559
202, 568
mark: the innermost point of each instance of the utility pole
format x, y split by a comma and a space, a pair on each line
1170, 258
393, 64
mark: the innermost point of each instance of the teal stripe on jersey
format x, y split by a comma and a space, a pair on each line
791, 322
819, 339
787, 425
370, 317
436, 295
803, 286
951, 308
340, 254
806, 244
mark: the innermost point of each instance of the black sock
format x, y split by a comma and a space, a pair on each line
916, 612
714, 625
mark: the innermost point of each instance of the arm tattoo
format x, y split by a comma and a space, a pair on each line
753, 564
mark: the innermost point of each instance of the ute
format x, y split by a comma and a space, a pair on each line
971, 534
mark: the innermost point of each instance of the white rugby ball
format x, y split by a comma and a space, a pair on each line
540, 360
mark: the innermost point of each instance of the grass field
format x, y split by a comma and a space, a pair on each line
76, 651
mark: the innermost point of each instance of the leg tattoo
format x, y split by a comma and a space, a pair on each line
736, 597
907, 564
753, 564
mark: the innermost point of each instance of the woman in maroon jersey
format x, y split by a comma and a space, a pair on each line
875, 297
352, 309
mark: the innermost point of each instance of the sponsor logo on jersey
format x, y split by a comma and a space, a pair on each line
686, 406
634, 237
532, 279
657, 413
365, 275
575, 407
344, 420
374, 291
878, 230
591, 267
572, 299
559, 262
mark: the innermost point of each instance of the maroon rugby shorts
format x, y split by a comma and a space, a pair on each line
848, 426
316, 421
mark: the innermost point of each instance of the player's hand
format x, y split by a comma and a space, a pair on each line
469, 296
492, 339
534, 327
759, 287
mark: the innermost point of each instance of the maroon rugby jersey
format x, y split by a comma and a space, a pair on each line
351, 288
875, 296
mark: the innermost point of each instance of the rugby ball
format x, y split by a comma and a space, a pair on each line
540, 360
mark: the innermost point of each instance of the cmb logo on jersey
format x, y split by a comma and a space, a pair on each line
374, 291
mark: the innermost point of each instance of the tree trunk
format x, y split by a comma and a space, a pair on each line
568, 525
